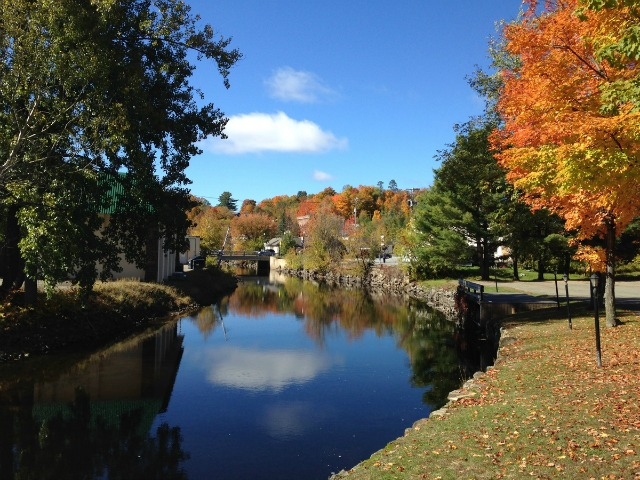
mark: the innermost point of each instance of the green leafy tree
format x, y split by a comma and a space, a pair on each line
363, 245
287, 243
212, 227
628, 245
524, 232
520, 229
288, 223
90, 89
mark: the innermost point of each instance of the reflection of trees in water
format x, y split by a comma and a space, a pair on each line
74, 443
428, 337
424, 333
206, 320
209, 318
323, 310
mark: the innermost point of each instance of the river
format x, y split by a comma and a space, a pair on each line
283, 379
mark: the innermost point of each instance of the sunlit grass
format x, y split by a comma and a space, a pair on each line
137, 297
545, 411
112, 311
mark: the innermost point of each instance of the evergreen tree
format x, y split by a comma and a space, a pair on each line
474, 185
441, 243
225, 200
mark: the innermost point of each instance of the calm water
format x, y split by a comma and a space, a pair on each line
281, 380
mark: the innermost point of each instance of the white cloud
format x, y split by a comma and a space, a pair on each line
286, 420
298, 86
321, 176
272, 370
263, 132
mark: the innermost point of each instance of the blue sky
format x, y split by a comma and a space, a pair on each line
339, 92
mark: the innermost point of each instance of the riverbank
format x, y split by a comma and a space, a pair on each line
543, 411
385, 279
115, 310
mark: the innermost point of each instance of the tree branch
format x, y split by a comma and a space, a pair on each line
597, 71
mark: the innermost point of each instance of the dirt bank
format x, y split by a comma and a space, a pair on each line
114, 311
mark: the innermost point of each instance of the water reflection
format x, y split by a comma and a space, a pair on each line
286, 420
282, 379
92, 420
252, 369
425, 334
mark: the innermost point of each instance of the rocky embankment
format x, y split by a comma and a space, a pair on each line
387, 280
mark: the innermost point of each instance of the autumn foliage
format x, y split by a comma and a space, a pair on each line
564, 144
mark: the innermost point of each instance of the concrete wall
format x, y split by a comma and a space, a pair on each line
193, 251
277, 263
165, 266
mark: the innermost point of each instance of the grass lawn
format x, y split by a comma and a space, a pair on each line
544, 411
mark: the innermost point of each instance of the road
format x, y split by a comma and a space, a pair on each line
627, 292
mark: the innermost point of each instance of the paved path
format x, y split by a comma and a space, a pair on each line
626, 292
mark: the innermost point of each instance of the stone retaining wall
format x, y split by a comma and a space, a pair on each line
385, 279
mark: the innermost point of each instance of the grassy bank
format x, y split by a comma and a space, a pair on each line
544, 411
114, 311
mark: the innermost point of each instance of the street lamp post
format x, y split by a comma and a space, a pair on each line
594, 289
565, 277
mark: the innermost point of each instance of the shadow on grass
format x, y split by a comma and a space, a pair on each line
578, 310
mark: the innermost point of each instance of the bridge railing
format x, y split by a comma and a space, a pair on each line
476, 288
236, 253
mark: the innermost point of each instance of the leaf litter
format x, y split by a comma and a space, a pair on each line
544, 411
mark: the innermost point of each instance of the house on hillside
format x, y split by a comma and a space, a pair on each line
274, 244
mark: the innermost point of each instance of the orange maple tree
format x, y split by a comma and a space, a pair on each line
252, 230
560, 142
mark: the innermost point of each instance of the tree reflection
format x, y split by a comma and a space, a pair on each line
208, 319
76, 442
429, 339
435, 346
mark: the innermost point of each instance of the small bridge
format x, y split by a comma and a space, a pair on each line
240, 255
263, 261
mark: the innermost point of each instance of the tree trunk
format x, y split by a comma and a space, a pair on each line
30, 291
484, 259
152, 250
541, 268
10, 251
609, 288
516, 273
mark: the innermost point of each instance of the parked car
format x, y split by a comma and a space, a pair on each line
197, 262
268, 252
